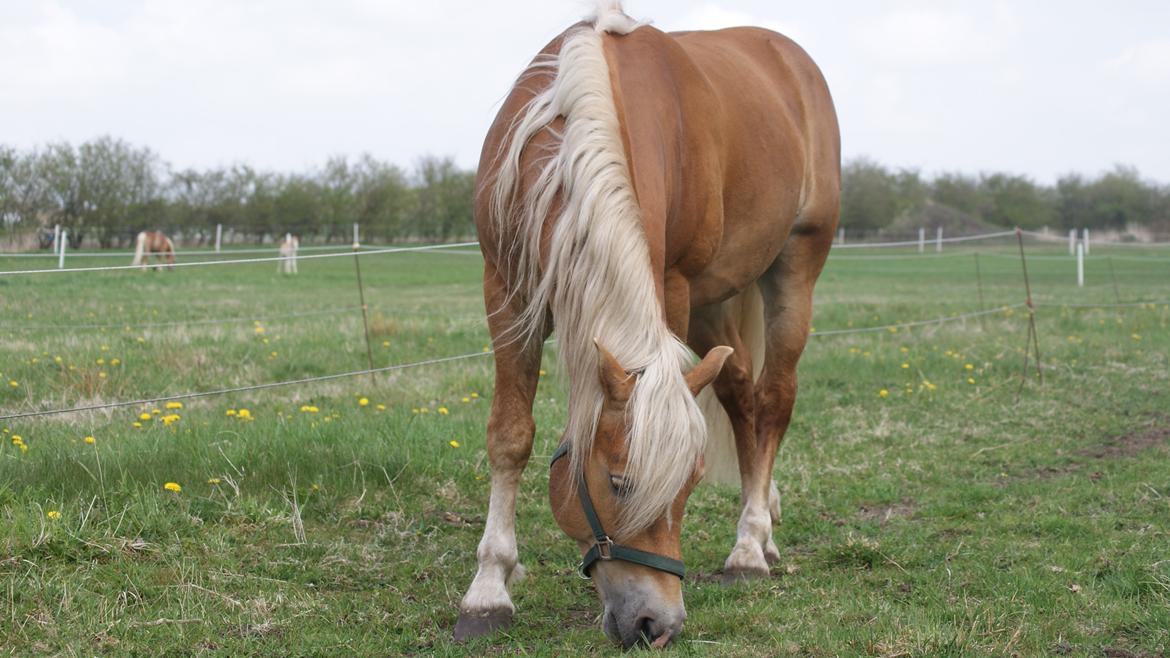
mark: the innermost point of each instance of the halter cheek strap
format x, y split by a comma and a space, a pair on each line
603, 547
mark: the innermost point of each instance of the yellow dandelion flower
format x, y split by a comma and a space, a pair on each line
143, 416
90, 440
364, 402
100, 362
893, 330
136, 425
543, 373
213, 481
156, 411
486, 349
444, 411
905, 366
53, 514
23, 448
13, 383
929, 386
141, 339
105, 348
970, 380
453, 443
474, 396
316, 487
244, 413
904, 350
385, 343
1135, 336
115, 362
259, 330
58, 359
102, 375
273, 354
883, 393
230, 412
172, 486
174, 405
466, 399
968, 366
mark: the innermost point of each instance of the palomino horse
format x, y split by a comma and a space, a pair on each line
153, 243
646, 192
288, 254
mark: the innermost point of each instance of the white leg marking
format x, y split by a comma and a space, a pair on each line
499, 565
754, 532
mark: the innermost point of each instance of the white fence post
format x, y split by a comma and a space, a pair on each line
841, 235
218, 236
938, 240
1080, 264
57, 238
1072, 242
1086, 241
355, 235
61, 250
921, 240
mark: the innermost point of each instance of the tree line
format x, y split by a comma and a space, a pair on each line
106, 190
877, 200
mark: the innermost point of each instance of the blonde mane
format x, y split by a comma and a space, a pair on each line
597, 280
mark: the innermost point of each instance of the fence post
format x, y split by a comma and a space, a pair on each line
938, 240
218, 236
1086, 241
61, 249
1033, 339
355, 235
56, 238
841, 235
921, 240
1072, 241
1080, 264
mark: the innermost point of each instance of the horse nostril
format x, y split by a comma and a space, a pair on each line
646, 631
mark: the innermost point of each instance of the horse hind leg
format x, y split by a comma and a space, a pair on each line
737, 322
487, 605
787, 311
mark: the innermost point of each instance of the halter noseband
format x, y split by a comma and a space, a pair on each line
603, 547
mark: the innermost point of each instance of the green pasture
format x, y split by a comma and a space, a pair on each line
931, 506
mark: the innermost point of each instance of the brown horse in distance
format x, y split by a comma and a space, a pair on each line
644, 193
153, 243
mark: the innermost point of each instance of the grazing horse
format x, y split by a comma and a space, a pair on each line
288, 254
647, 194
153, 243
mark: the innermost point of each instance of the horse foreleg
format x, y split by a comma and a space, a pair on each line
487, 606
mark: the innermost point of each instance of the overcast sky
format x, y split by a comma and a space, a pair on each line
1040, 88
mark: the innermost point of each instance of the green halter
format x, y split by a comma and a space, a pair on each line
603, 547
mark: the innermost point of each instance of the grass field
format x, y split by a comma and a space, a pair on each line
927, 511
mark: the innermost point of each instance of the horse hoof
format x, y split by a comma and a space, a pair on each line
477, 624
734, 576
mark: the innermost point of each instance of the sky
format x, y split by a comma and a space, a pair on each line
1039, 88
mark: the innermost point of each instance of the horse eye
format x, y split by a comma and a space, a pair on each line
620, 485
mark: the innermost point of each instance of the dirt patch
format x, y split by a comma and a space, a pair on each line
883, 513
1128, 445
1116, 447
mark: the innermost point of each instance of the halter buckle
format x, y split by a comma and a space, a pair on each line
604, 546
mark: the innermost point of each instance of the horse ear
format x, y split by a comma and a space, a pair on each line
708, 369
615, 381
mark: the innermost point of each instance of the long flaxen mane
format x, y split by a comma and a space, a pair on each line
596, 280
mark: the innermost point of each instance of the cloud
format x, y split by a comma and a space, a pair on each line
1148, 61
931, 35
